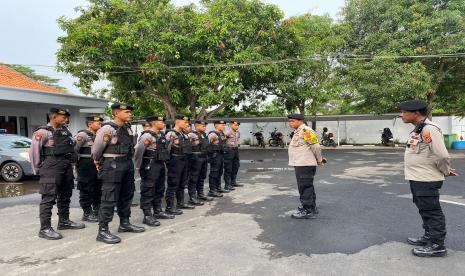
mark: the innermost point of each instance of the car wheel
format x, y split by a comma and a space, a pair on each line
12, 172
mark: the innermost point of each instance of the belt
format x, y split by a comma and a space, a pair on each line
178, 155
84, 156
233, 148
117, 157
199, 153
61, 156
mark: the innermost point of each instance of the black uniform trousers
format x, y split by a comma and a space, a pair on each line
56, 185
89, 186
117, 188
231, 165
216, 170
426, 198
198, 166
152, 185
177, 178
305, 176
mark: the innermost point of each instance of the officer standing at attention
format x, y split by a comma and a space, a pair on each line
51, 157
89, 186
304, 156
198, 163
231, 155
150, 156
180, 147
426, 166
112, 153
217, 142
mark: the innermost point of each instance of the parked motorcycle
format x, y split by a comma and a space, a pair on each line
328, 138
259, 137
387, 138
276, 139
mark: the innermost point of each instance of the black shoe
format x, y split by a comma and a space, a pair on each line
194, 201
203, 197
230, 187
126, 226
69, 224
422, 241
214, 194
224, 191
151, 221
430, 250
105, 236
173, 211
49, 233
185, 206
238, 185
313, 210
159, 214
304, 214
89, 216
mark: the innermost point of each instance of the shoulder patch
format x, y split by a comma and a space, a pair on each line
38, 136
427, 137
310, 137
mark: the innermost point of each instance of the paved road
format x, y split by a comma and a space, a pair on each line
365, 215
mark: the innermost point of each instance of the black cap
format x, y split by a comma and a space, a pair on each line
235, 122
94, 119
201, 122
219, 122
155, 118
181, 117
60, 111
414, 105
296, 116
121, 106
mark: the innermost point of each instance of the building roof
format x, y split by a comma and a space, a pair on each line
12, 78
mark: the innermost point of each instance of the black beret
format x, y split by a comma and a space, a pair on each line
235, 122
219, 122
155, 118
296, 116
121, 106
59, 110
94, 119
414, 105
201, 122
181, 117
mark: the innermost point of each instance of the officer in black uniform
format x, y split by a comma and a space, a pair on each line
217, 142
51, 155
151, 153
198, 163
112, 153
89, 186
180, 147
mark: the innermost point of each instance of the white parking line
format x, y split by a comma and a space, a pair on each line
452, 202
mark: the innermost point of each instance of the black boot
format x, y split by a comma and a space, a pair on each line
159, 214
105, 236
223, 191
170, 209
202, 196
47, 232
303, 214
421, 241
126, 226
214, 194
183, 205
89, 216
66, 223
430, 250
194, 201
149, 219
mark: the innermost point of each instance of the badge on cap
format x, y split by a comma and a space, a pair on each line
123, 106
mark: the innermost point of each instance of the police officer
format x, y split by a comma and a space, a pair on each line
304, 156
217, 142
231, 155
51, 156
89, 186
151, 153
112, 153
426, 166
198, 163
180, 147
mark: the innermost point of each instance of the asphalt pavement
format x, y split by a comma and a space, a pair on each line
366, 214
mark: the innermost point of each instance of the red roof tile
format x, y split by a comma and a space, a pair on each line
11, 78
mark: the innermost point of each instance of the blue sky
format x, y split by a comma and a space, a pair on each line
29, 30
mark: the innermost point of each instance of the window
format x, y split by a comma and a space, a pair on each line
15, 142
23, 127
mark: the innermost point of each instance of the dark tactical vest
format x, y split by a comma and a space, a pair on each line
184, 146
203, 143
221, 142
90, 141
125, 143
161, 153
63, 142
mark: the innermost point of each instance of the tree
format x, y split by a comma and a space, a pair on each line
46, 80
408, 28
150, 49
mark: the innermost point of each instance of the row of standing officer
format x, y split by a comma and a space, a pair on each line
106, 171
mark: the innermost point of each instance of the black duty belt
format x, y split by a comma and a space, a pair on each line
118, 158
